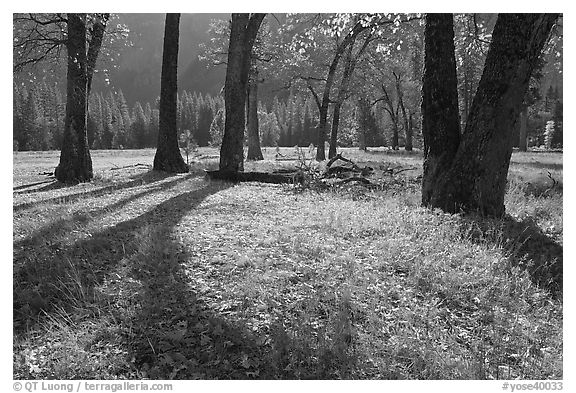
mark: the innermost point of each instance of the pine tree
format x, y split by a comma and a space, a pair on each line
108, 127
217, 129
153, 127
98, 115
119, 139
138, 127
58, 117
558, 138
151, 132
34, 138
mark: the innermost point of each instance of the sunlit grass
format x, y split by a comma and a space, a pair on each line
137, 275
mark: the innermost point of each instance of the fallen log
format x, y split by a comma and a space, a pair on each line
262, 177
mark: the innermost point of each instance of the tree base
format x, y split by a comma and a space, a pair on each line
72, 175
170, 166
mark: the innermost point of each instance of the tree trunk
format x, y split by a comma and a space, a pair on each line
348, 68
334, 131
322, 128
364, 125
395, 135
476, 180
389, 107
440, 120
242, 36
408, 146
168, 157
407, 130
96, 37
254, 151
523, 143
343, 91
323, 106
75, 162
362, 139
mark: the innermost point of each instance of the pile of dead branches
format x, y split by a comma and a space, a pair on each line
338, 171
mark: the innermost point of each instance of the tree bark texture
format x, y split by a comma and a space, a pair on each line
75, 164
440, 120
254, 150
96, 38
168, 157
476, 179
523, 143
244, 29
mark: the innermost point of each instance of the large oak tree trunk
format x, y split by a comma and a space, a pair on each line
96, 38
242, 36
523, 143
476, 180
75, 162
254, 150
440, 120
168, 157
395, 135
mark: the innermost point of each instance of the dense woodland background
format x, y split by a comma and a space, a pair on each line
124, 104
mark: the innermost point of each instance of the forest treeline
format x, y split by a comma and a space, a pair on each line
375, 103
39, 111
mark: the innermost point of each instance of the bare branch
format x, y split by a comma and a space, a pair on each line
476, 35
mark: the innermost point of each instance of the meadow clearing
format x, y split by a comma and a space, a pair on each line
140, 274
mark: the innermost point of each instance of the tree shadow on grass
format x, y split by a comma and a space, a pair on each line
134, 181
528, 248
43, 237
18, 188
136, 271
177, 335
42, 278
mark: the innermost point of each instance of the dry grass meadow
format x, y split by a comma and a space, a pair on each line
141, 274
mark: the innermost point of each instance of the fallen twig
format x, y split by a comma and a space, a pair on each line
287, 158
128, 166
554, 182
359, 179
405, 169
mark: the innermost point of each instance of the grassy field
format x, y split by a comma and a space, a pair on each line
146, 275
